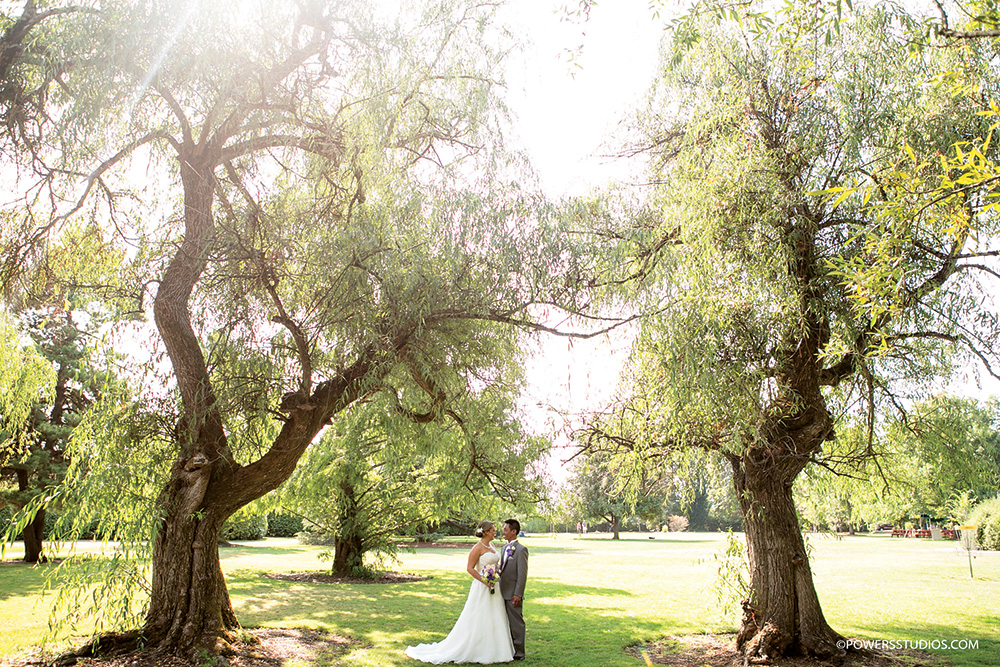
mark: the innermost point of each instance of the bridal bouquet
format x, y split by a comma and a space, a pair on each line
491, 574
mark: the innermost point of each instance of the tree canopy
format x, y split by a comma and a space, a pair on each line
327, 211
763, 345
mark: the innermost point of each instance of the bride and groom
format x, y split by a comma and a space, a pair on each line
491, 627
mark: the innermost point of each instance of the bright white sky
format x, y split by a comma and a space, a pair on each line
565, 111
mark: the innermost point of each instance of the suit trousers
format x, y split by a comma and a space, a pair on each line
515, 616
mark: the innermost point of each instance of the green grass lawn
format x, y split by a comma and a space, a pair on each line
588, 598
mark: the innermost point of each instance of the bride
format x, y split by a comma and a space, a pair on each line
481, 633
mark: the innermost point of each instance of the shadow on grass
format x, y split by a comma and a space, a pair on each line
20, 578
387, 618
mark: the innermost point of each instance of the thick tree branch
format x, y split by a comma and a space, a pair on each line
318, 144
176, 109
945, 31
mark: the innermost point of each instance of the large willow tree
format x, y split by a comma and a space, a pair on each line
312, 200
771, 260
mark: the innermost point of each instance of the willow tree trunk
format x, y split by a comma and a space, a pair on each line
33, 534
189, 603
782, 616
348, 555
348, 549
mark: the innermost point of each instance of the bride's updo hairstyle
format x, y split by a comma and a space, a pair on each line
483, 527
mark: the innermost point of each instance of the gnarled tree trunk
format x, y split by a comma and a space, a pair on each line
783, 615
189, 604
190, 610
348, 544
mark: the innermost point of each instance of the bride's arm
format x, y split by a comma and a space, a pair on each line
473, 561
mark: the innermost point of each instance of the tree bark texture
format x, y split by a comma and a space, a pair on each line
33, 535
189, 604
190, 610
783, 614
348, 555
348, 545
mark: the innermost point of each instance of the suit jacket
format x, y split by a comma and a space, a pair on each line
514, 575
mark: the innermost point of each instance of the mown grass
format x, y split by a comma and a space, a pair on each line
589, 598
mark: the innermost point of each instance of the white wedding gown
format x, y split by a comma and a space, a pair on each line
481, 633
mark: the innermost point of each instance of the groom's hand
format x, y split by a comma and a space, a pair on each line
515, 600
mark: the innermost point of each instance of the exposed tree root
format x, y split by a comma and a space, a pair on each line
114, 645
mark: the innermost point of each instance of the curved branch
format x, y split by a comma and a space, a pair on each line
832, 376
177, 111
980, 267
412, 415
269, 81
301, 344
952, 338
318, 144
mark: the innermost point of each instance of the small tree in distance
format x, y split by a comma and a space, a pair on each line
384, 468
26, 378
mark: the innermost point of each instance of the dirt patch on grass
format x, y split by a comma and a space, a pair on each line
720, 651
326, 578
279, 645
266, 647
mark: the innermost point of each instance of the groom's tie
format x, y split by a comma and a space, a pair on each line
507, 550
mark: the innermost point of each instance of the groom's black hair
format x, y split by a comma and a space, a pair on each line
515, 524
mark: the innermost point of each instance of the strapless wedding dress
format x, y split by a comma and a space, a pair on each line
481, 633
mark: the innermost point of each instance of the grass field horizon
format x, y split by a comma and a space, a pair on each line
589, 597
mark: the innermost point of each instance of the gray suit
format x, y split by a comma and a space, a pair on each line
513, 577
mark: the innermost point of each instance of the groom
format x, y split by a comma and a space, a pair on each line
514, 574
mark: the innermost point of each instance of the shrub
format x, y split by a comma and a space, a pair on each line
987, 517
676, 524
429, 537
283, 525
242, 527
